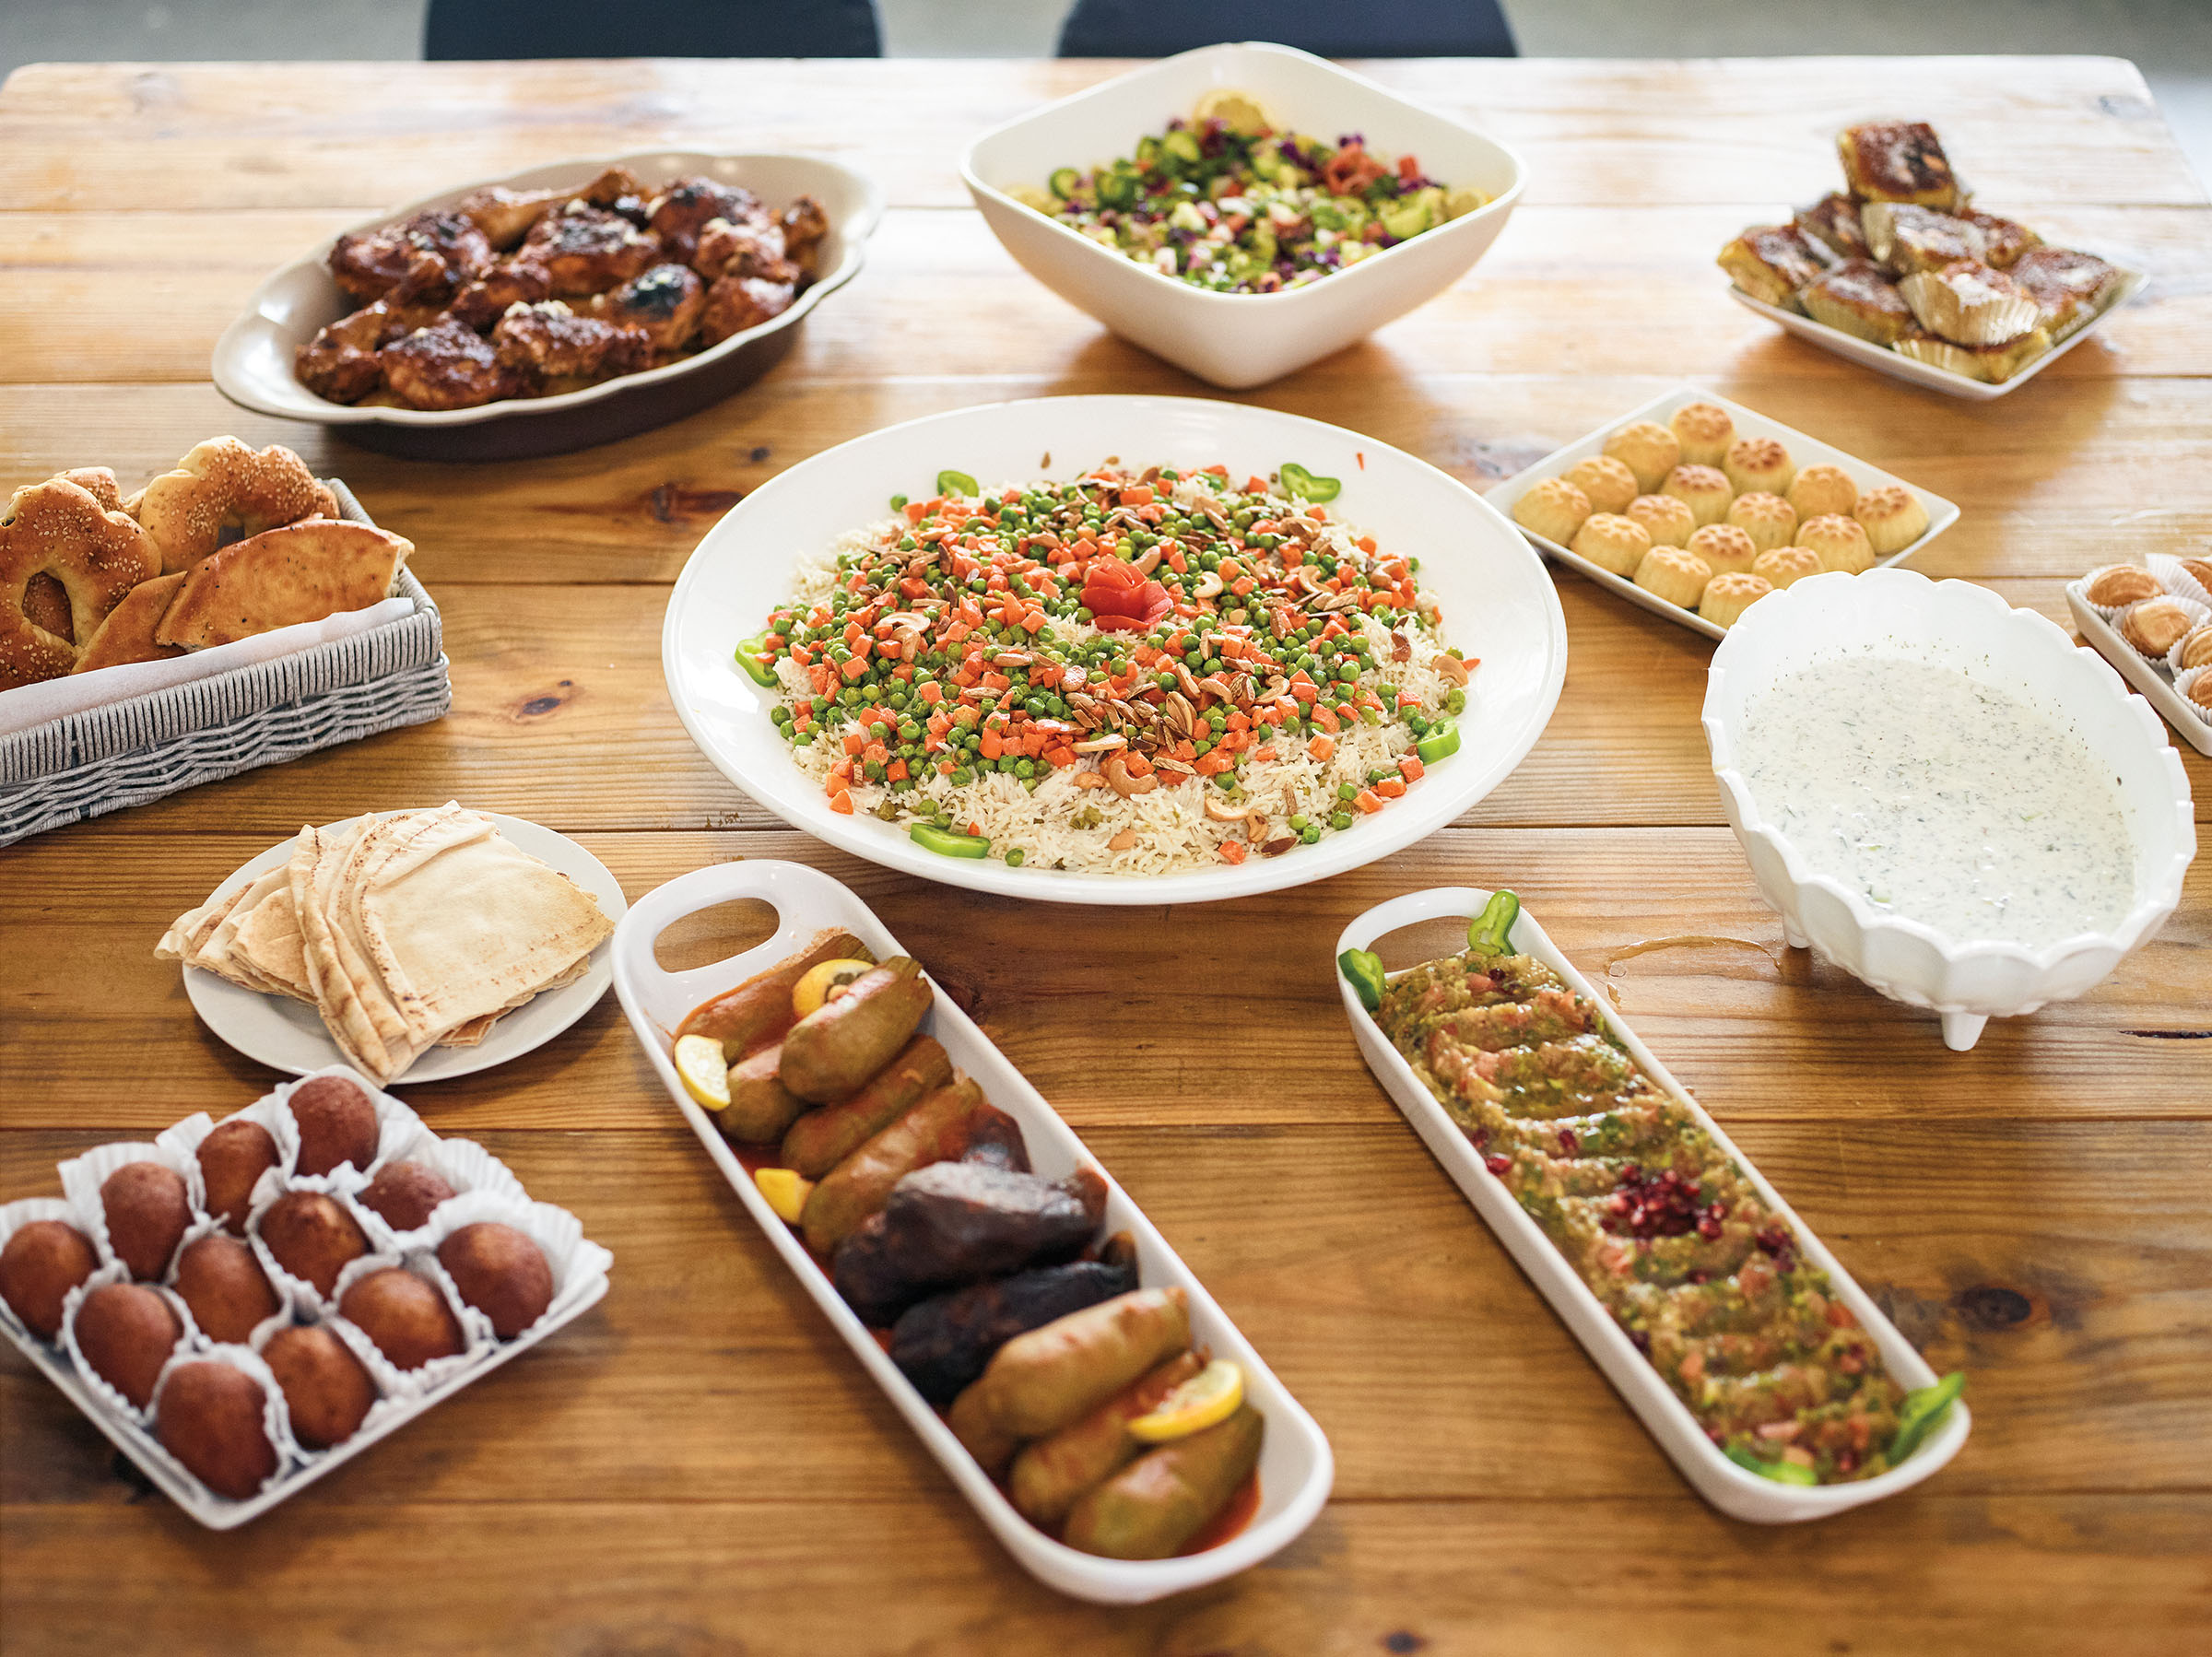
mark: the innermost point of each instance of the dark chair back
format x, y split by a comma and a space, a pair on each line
513, 29
1327, 27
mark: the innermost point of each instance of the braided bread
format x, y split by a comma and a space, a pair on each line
60, 529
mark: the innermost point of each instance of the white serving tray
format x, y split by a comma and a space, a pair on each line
1735, 1490
1296, 1468
220, 1514
1804, 450
2157, 688
1883, 361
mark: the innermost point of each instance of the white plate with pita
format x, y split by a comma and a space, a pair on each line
288, 1035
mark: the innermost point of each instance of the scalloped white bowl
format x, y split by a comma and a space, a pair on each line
1953, 624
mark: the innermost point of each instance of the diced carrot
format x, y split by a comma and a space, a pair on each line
1232, 850
1033, 621
1368, 801
1136, 763
1032, 744
1367, 544
946, 767
933, 693
854, 742
1138, 495
916, 510
991, 748
841, 803
1392, 788
875, 753
801, 655
1324, 716
895, 771
855, 668
1304, 693
1242, 586
1240, 720
1060, 759
996, 681
1321, 748
1411, 765
1213, 764
1264, 753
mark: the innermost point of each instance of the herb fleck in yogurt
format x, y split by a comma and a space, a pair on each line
1941, 799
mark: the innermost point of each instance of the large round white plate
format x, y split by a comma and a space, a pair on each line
288, 1035
1496, 599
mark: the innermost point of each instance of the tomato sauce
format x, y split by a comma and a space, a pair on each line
1235, 1514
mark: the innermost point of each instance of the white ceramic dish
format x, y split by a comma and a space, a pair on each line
288, 1035
1954, 624
1883, 361
1806, 451
1238, 340
1498, 604
1296, 1468
168, 1475
1735, 1491
253, 364
2157, 688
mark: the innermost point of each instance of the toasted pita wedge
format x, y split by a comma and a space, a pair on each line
347, 994
268, 942
127, 635
300, 572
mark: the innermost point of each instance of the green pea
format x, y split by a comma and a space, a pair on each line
1014, 858
1341, 820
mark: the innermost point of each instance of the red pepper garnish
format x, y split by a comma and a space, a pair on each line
1116, 606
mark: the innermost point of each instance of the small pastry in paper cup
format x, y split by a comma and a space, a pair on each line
2194, 685
418, 1335
2185, 578
485, 1242
2157, 625
428, 1171
45, 1254
327, 1372
2193, 649
135, 1200
2111, 589
306, 1239
342, 1121
1969, 303
120, 1347
219, 1416
223, 1283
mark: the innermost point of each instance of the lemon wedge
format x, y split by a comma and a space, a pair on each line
785, 1192
1207, 1398
808, 994
706, 1074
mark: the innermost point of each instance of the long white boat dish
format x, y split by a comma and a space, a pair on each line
1736, 1491
1896, 614
1296, 1468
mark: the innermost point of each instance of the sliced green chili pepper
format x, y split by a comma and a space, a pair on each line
1116, 188
1443, 739
1489, 935
948, 844
1924, 1410
1781, 1473
1062, 183
957, 483
1303, 484
1364, 969
750, 653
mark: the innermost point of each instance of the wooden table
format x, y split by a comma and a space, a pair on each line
697, 1466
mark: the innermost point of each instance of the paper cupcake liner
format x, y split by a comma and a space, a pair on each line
188, 1341
297, 1292
383, 1405
477, 1340
275, 1420
83, 1176
2185, 681
2199, 616
577, 1265
14, 1217
2179, 581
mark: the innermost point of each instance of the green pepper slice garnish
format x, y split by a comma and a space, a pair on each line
1302, 485
957, 483
1116, 188
1062, 182
946, 845
752, 655
1781, 1473
1364, 968
1489, 935
1442, 740
1924, 1410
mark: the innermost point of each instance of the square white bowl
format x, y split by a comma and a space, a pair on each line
1806, 451
1237, 340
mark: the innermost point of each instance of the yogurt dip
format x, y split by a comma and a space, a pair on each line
1941, 799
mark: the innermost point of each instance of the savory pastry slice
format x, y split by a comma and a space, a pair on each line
1608, 483
1727, 549
1969, 303
1674, 574
1892, 517
1552, 507
1784, 566
1726, 598
1647, 449
1858, 297
1703, 489
1704, 431
301, 573
1821, 488
1767, 519
127, 635
1833, 222
1838, 542
2003, 239
1667, 520
1992, 364
2157, 625
2068, 288
1898, 161
1904, 239
1612, 542
1771, 263
1759, 464
2119, 584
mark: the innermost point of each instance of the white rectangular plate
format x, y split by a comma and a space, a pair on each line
2157, 688
1735, 1491
1883, 361
1296, 1468
1806, 451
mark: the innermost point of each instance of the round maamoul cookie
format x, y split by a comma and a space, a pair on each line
1612, 542
1647, 449
1674, 574
1839, 541
1553, 508
2195, 649
1727, 549
1821, 488
1759, 464
1667, 520
1609, 485
1705, 490
2117, 584
2157, 625
2198, 570
1704, 431
1785, 566
1892, 517
1767, 519
2200, 690
1729, 596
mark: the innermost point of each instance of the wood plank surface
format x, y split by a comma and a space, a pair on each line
697, 1466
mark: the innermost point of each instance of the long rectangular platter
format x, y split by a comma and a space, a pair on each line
1736, 1492
2155, 687
1806, 451
1296, 1467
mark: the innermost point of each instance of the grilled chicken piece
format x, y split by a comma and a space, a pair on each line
588, 250
372, 265
505, 216
510, 282
680, 213
956, 1223
804, 224
736, 303
612, 189
448, 366
340, 363
752, 247
666, 301
553, 341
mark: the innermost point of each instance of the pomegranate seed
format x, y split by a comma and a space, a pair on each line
1569, 1142
1498, 1165
1709, 1228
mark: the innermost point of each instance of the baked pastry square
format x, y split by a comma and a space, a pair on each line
1898, 161
1858, 297
1771, 263
1970, 304
1991, 364
1906, 239
2068, 288
1833, 222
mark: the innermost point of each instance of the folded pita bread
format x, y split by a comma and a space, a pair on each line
127, 635
300, 572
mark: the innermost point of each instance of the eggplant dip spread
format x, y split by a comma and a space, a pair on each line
1661, 1225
